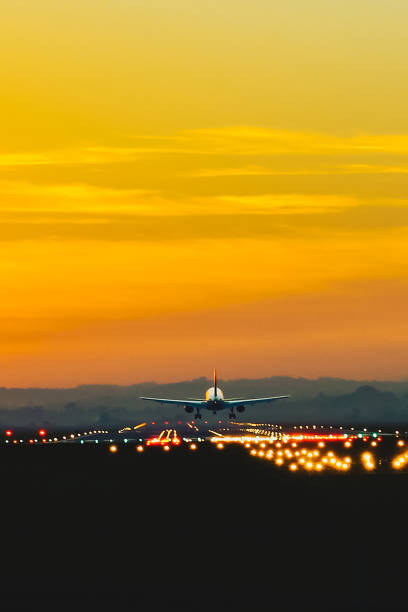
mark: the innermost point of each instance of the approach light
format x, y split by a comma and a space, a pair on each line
9, 433
42, 433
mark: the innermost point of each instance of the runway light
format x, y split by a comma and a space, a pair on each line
220, 445
42, 433
166, 447
9, 433
113, 448
140, 448
368, 461
193, 446
293, 467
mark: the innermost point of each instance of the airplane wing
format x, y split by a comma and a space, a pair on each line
259, 400
163, 400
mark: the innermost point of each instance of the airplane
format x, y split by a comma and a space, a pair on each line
215, 401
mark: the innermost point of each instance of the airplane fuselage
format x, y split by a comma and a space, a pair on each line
215, 395
214, 401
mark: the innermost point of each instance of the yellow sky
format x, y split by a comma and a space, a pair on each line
186, 185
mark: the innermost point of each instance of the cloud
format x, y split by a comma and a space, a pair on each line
347, 169
236, 141
283, 204
247, 140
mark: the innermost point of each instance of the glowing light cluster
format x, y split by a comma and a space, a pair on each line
400, 461
317, 437
166, 438
368, 461
299, 458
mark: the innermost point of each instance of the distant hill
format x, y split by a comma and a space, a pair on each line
322, 400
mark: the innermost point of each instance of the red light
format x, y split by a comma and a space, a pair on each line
42, 432
166, 422
9, 433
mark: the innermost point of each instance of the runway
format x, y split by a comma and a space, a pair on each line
202, 528
295, 449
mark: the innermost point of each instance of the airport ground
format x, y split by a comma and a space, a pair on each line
85, 528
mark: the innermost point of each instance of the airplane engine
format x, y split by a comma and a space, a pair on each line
240, 408
188, 408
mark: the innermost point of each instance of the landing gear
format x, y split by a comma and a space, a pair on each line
198, 415
232, 415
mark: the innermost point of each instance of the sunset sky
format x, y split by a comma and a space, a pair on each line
190, 184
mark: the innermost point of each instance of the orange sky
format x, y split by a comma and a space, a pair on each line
189, 185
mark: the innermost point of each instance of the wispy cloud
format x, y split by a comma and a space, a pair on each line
233, 141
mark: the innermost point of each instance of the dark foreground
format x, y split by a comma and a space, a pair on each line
83, 529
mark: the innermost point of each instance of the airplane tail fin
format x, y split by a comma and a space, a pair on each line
215, 383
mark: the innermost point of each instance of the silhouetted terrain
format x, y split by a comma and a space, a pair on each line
324, 400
